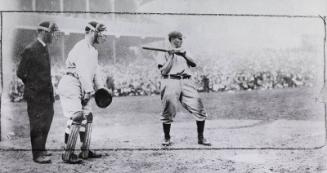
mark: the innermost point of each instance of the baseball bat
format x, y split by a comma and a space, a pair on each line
155, 49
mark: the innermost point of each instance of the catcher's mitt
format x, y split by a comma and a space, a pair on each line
103, 97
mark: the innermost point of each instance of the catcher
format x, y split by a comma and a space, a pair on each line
76, 88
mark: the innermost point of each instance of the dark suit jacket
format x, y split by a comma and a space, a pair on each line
34, 70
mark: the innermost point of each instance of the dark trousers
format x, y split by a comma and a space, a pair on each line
40, 117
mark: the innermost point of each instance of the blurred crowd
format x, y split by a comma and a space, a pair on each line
143, 79
246, 80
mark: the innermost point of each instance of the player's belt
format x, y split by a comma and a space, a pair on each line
171, 76
72, 74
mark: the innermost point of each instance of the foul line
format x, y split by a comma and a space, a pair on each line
188, 149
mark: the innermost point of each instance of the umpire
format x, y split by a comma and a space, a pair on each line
35, 72
177, 86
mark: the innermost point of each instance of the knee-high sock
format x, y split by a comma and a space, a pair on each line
166, 129
200, 128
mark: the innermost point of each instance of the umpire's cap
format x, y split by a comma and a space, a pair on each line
103, 97
174, 34
95, 26
48, 26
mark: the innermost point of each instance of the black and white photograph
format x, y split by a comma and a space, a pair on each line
163, 86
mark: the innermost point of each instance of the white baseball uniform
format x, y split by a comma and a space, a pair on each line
82, 75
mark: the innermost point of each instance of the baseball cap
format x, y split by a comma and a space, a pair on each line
175, 34
48, 26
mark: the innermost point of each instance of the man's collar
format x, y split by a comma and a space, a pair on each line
42, 42
89, 44
173, 47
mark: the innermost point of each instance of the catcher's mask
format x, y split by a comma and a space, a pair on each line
99, 30
103, 97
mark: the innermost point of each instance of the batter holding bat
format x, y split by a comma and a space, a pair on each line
177, 86
76, 89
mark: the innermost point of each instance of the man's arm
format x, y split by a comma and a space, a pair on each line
188, 59
167, 65
99, 78
24, 65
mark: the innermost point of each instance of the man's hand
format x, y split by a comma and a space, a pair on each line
171, 52
180, 53
86, 98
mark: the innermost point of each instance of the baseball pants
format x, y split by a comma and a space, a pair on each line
184, 91
70, 93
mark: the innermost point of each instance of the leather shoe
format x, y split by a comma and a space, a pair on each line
73, 159
92, 154
166, 142
46, 153
42, 160
203, 141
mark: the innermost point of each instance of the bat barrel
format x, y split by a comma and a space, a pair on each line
154, 49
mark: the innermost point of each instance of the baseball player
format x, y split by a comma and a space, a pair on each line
76, 89
34, 70
176, 85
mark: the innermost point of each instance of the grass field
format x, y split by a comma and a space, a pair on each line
251, 131
274, 118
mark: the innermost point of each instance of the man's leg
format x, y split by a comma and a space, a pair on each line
69, 156
192, 102
166, 129
170, 91
85, 137
48, 117
200, 129
36, 131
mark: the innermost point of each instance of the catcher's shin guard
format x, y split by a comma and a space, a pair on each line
87, 141
71, 142
87, 138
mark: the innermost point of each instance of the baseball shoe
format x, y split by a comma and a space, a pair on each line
42, 160
203, 141
166, 142
92, 154
73, 159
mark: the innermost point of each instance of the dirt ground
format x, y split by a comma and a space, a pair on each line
224, 161
277, 131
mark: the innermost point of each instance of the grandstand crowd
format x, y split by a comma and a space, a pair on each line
143, 79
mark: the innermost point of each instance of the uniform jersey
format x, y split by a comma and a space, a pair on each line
174, 65
83, 61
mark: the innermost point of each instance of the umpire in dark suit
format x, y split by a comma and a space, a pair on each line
35, 71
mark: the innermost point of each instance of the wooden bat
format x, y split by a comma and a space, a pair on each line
155, 49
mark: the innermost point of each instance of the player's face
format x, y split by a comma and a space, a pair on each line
47, 37
177, 42
99, 37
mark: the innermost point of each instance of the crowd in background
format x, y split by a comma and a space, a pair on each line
143, 79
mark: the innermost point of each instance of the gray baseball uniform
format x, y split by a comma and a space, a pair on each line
177, 85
